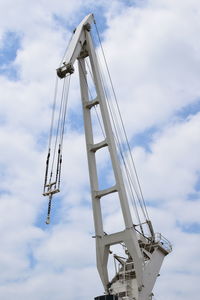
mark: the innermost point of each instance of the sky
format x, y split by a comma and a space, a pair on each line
153, 52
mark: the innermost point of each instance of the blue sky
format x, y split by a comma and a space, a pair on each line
10, 45
153, 54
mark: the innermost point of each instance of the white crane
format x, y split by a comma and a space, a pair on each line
143, 255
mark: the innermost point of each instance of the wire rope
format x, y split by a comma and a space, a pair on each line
111, 112
118, 144
98, 118
116, 135
64, 112
53, 187
51, 132
53, 111
58, 128
126, 138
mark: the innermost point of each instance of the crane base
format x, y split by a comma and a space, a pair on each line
106, 297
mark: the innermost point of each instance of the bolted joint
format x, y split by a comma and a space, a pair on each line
65, 69
140, 288
83, 53
87, 27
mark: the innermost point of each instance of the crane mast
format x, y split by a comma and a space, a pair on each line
143, 255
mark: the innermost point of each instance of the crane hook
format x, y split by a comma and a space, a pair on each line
49, 210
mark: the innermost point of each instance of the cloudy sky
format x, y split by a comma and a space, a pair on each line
153, 51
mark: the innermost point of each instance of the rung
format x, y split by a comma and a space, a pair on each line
50, 184
92, 103
105, 192
98, 146
51, 192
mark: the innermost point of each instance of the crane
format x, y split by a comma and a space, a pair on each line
142, 254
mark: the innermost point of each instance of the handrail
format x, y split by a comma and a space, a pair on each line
159, 238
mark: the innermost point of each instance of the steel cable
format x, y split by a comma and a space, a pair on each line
126, 139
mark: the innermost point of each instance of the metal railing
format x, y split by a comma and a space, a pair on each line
159, 238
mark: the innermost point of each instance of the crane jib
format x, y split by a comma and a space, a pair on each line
143, 249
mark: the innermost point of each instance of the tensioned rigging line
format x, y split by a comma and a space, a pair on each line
62, 129
118, 144
64, 112
58, 127
53, 111
132, 198
84, 76
121, 153
137, 178
58, 174
140, 203
100, 123
51, 130
91, 75
131, 188
128, 175
113, 90
52, 187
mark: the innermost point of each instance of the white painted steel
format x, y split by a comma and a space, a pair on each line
77, 41
144, 255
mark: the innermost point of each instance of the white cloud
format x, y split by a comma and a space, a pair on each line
173, 161
161, 44
153, 52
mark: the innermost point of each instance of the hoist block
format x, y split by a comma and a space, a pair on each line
64, 70
51, 192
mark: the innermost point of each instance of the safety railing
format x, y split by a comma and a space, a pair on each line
159, 238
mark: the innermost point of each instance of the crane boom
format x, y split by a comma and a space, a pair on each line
139, 269
75, 47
